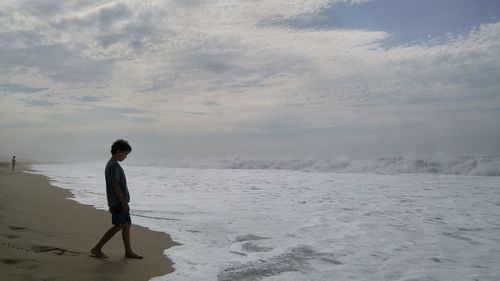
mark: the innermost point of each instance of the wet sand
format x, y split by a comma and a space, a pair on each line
45, 236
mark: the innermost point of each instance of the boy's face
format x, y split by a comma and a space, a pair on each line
121, 155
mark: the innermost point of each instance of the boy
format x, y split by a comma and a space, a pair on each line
118, 198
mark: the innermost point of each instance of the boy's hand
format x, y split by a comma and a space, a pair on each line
125, 207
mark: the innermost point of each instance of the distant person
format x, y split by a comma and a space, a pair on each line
13, 162
118, 198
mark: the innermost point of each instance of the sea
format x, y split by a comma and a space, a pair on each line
303, 219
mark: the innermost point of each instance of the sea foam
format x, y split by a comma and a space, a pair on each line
250, 224
467, 165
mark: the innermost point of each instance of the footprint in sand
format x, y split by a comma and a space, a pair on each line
17, 228
14, 246
53, 250
10, 261
38, 249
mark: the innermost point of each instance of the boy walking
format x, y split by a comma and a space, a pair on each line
118, 198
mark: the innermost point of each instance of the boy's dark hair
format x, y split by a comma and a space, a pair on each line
120, 145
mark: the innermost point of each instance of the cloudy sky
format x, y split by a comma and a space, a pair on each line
199, 78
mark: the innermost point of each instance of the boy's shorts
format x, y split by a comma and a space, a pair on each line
118, 216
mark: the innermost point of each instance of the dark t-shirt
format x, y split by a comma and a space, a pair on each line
114, 171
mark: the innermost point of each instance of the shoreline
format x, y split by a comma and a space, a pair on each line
46, 236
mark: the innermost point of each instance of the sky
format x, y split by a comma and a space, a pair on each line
256, 78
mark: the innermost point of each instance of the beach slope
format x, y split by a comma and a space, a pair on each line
45, 236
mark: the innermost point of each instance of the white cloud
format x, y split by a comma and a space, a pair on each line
214, 67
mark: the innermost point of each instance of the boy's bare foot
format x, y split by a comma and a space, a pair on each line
97, 254
132, 255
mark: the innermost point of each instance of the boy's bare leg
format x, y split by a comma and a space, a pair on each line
126, 242
97, 250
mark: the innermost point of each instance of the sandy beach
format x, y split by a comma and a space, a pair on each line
45, 236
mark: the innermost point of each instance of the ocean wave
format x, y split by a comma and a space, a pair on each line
475, 166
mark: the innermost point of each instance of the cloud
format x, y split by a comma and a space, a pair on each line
108, 16
89, 98
11, 88
269, 70
18, 125
56, 61
42, 103
408, 22
41, 8
102, 115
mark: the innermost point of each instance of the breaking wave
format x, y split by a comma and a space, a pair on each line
476, 166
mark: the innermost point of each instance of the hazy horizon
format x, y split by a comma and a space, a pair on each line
264, 79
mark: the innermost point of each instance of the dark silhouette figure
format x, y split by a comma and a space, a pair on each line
118, 198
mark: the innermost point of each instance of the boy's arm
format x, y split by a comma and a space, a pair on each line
119, 194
